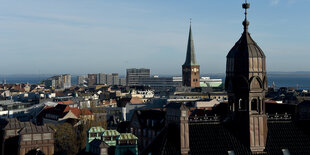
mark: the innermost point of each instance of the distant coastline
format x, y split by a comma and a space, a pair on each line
300, 79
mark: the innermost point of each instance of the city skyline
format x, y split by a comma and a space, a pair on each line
79, 37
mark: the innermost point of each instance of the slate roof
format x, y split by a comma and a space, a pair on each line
36, 129
13, 124
144, 115
214, 139
171, 142
288, 135
218, 137
246, 47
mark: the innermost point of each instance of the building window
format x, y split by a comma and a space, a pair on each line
27, 137
11, 132
242, 104
149, 133
107, 138
36, 136
144, 132
47, 136
93, 135
254, 105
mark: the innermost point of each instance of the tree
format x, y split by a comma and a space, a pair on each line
65, 139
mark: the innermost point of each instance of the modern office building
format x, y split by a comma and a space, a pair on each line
101, 78
66, 78
134, 76
59, 82
82, 80
122, 81
108, 79
92, 79
115, 79
156, 82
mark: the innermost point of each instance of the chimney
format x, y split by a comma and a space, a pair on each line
184, 130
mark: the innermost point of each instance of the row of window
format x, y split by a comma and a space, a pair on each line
44, 136
145, 132
255, 106
127, 142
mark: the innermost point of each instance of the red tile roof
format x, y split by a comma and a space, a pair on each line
61, 110
78, 112
136, 100
66, 102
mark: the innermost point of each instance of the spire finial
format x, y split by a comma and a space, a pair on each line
245, 6
190, 21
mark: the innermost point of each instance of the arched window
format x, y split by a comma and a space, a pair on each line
242, 104
231, 103
254, 105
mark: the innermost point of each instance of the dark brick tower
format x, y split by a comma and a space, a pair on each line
246, 84
190, 69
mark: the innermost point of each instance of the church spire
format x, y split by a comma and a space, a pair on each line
190, 69
190, 54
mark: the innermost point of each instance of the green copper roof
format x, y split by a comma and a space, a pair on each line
211, 84
96, 129
190, 55
110, 133
202, 84
126, 136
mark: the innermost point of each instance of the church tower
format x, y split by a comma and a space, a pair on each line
190, 68
246, 85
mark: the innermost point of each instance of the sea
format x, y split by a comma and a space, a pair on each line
298, 80
295, 80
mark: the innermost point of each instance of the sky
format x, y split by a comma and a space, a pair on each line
105, 36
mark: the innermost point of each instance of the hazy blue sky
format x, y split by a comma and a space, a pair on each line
92, 36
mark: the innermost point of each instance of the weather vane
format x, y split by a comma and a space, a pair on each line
246, 6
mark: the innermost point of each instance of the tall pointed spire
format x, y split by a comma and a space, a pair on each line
190, 54
190, 69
